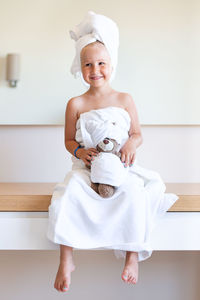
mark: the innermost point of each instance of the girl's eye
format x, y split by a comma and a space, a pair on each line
101, 63
87, 65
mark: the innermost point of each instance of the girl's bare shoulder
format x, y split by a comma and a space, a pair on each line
74, 105
124, 99
75, 101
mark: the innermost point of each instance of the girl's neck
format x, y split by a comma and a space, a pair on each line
100, 91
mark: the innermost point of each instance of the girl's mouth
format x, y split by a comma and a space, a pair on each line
96, 77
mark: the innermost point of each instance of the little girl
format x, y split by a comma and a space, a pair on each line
78, 216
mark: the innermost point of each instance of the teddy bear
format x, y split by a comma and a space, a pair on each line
107, 169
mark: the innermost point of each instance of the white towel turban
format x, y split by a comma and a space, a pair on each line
95, 27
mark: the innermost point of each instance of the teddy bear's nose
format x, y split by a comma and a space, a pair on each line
106, 141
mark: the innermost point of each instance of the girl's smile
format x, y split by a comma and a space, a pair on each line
96, 77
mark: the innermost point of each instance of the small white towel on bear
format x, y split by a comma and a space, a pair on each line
107, 168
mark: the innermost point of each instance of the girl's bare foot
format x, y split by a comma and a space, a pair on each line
130, 272
63, 277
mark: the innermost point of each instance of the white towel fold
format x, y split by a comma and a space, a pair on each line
95, 27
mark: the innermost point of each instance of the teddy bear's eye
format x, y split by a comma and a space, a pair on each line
106, 141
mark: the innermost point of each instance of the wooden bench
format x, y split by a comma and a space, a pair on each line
24, 218
37, 196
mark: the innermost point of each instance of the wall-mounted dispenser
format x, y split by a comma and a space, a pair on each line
13, 68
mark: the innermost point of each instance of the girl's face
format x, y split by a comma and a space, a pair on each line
95, 64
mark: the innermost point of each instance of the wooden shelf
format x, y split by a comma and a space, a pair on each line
37, 196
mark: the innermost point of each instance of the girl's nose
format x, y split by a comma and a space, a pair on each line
95, 68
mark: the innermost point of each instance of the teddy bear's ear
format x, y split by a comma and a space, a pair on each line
98, 148
118, 154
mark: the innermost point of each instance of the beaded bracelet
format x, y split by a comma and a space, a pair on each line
79, 146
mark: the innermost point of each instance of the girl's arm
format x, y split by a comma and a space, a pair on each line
128, 151
71, 117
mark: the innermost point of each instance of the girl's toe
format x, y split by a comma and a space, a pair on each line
134, 280
59, 287
65, 286
130, 279
125, 276
56, 286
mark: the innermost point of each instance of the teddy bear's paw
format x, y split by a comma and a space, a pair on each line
106, 190
94, 186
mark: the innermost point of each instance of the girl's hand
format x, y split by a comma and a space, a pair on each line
86, 155
128, 152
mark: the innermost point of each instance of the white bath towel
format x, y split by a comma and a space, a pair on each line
82, 219
95, 27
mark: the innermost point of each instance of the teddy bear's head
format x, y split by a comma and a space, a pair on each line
108, 145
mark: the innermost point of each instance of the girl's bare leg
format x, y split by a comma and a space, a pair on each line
63, 277
130, 272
